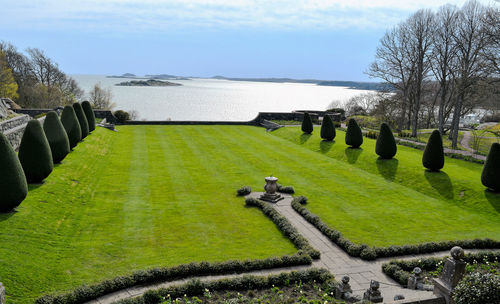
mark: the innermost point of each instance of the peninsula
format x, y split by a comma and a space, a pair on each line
148, 83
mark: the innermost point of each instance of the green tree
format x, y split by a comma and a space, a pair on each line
89, 113
34, 153
13, 186
8, 86
327, 128
386, 144
353, 135
57, 137
82, 119
433, 157
71, 125
490, 177
307, 125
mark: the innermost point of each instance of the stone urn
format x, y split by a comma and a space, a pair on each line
271, 187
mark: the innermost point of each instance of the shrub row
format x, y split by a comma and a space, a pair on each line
285, 189
284, 226
478, 288
371, 134
245, 190
400, 270
370, 253
247, 282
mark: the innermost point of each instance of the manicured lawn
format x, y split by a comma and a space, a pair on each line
424, 137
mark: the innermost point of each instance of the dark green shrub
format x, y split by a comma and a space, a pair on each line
34, 153
490, 177
368, 254
353, 135
245, 190
478, 288
13, 186
386, 144
151, 297
82, 119
121, 116
307, 125
285, 189
71, 125
433, 158
56, 136
89, 113
327, 128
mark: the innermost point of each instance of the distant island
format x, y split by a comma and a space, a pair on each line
167, 76
126, 75
148, 83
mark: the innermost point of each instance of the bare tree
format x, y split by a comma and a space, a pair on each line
100, 98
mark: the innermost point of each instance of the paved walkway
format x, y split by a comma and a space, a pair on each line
332, 258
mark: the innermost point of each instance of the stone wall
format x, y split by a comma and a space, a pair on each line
104, 114
13, 129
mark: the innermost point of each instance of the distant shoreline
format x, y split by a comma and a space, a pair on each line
148, 83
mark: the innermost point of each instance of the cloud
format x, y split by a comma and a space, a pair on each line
130, 16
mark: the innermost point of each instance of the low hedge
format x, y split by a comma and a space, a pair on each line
370, 253
247, 282
245, 190
285, 189
400, 270
284, 226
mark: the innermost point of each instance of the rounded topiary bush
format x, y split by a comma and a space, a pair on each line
82, 119
34, 153
71, 125
490, 177
478, 288
307, 124
89, 113
386, 144
121, 116
56, 136
13, 186
353, 135
327, 128
433, 158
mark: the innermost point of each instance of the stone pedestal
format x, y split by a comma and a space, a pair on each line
373, 294
415, 281
271, 187
453, 272
2, 294
343, 290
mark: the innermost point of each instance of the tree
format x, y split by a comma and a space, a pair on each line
100, 98
56, 136
353, 135
82, 119
327, 128
34, 153
13, 186
385, 146
433, 157
8, 86
490, 177
307, 125
71, 125
89, 113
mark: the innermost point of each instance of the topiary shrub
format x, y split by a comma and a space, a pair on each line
386, 144
285, 189
34, 153
245, 190
82, 119
121, 116
433, 158
56, 136
13, 186
478, 288
89, 113
327, 128
71, 125
490, 177
307, 125
353, 135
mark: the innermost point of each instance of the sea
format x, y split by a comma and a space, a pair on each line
216, 100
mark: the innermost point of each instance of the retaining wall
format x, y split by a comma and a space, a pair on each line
13, 129
104, 114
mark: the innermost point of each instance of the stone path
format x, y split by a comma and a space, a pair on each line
332, 258
466, 140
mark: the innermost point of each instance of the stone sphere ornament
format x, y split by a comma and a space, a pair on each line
457, 253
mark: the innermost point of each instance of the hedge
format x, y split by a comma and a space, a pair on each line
89, 114
248, 282
327, 129
307, 125
385, 147
82, 119
71, 125
13, 185
433, 157
57, 137
285, 189
370, 253
490, 177
245, 190
353, 135
478, 288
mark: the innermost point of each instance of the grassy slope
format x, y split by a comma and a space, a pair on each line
142, 197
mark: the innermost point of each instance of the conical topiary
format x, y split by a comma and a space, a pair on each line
89, 113
386, 144
13, 186
433, 158
34, 153
84, 125
57, 137
353, 135
307, 125
490, 177
71, 125
327, 128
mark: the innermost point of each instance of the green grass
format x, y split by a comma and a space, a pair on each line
424, 137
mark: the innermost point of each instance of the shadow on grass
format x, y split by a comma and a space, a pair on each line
441, 182
387, 168
352, 154
326, 145
34, 186
304, 137
493, 198
6, 215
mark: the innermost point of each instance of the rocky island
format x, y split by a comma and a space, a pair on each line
148, 83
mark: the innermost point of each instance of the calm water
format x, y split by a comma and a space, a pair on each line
210, 99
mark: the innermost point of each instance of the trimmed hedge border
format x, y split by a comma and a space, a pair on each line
371, 253
284, 226
400, 270
247, 282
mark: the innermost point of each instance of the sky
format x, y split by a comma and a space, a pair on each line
316, 39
